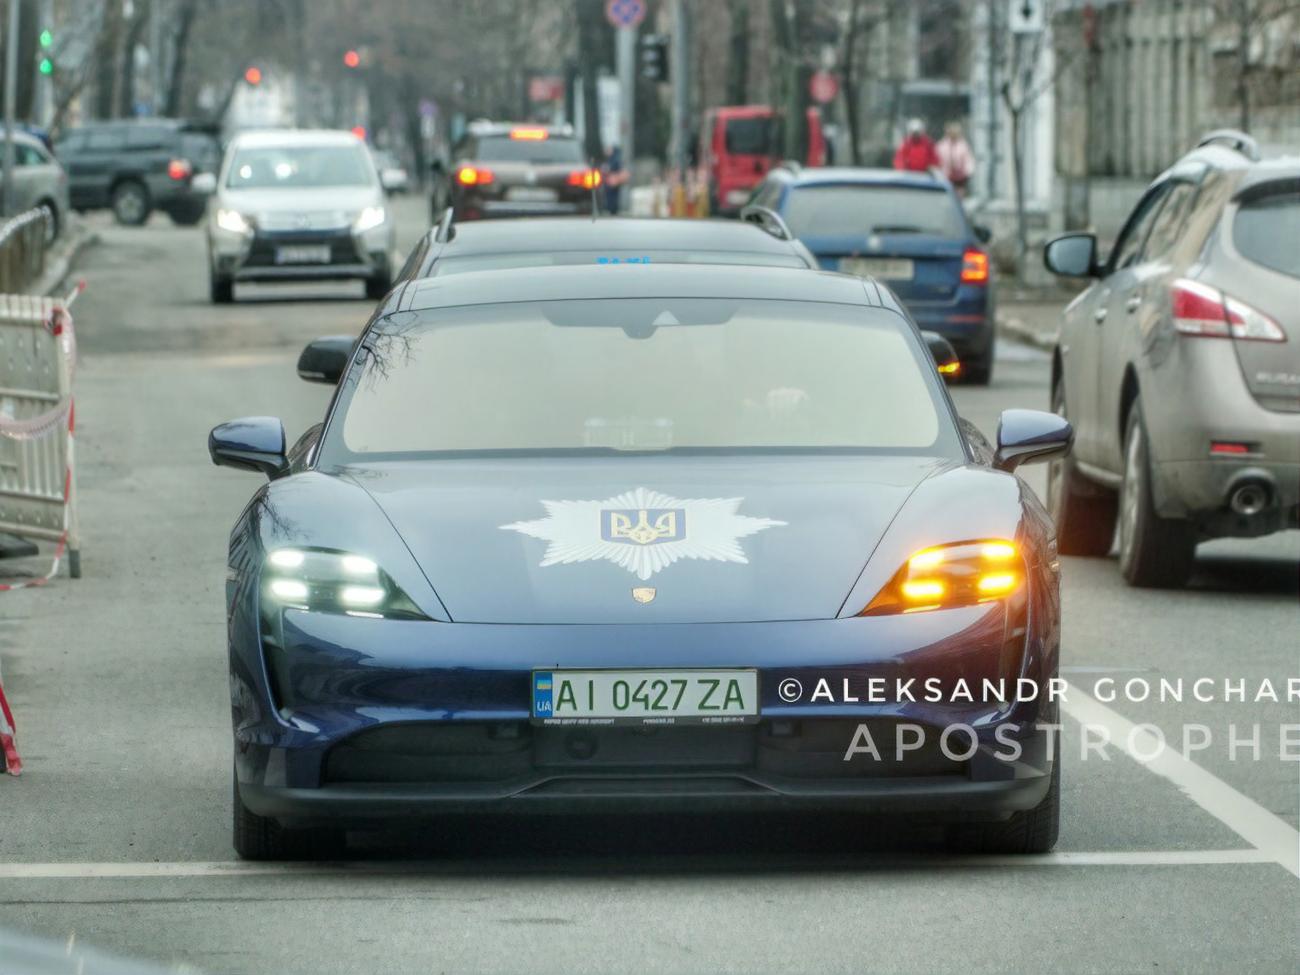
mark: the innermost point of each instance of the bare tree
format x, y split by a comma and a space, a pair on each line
1250, 21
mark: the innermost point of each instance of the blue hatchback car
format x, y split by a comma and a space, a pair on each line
907, 230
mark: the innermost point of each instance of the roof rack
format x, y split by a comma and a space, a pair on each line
1233, 139
445, 231
768, 220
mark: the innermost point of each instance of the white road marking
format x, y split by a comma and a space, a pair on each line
234, 868
1267, 832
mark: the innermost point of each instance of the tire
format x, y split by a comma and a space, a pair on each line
1030, 831
187, 216
1084, 512
978, 372
379, 286
1154, 552
221, 290
260, 838
130, 202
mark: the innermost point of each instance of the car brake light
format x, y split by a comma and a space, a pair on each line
974, 267
586, 178
1201, 310
473, 176
179, 169
530, 134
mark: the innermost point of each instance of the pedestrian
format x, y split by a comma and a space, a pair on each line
956, 160
916, 151
613, 176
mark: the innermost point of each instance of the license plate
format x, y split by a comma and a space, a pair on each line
530, 194
608, 697
303, 254
877, 267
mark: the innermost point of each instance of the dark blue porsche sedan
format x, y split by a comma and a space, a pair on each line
636, 538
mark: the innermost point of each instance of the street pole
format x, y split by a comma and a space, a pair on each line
11, 85
625, 58
679, 65
993, 98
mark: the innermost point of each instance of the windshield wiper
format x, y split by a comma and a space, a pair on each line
897, 228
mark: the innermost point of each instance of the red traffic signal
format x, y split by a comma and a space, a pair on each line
352, 59
253, 76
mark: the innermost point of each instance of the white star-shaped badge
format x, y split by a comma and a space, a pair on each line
643, 531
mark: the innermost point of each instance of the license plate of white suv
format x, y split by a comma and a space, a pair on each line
303, 254
607, 697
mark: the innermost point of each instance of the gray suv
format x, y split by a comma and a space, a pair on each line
1179, 366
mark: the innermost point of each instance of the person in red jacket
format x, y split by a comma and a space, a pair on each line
916, 152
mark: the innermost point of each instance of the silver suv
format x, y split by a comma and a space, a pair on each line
1179, 366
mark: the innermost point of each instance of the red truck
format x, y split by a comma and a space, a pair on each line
740, 143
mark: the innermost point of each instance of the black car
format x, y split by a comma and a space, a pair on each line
503, 170
137, 166
451, 248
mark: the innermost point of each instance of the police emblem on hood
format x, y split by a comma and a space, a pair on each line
643, 531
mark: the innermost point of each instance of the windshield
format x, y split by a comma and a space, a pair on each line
301, 166
855, 210
1266, 230
643, 375
489, 262
752, 136
502, 148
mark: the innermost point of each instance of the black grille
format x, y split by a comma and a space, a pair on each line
262, 253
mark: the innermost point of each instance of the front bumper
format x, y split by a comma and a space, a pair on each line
258, 256
338, 718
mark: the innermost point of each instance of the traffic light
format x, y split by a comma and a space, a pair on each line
46, 65
352, 59
654, 57
253, 75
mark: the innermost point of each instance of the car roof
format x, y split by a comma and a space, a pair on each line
296, 137
827, 175
584, 281
614, 233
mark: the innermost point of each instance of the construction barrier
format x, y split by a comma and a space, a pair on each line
38, 494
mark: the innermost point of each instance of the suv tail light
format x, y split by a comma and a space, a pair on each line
1201, 310
179, 169
974, 267
586, 178
473, 176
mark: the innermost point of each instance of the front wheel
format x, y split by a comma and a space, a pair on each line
1154, 552
378, 286
260, 838
221, 290
1084, 512
1030, 831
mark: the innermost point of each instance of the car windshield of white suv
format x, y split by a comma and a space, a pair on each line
264, 167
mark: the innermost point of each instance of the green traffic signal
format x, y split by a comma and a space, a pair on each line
47, 37
47, 66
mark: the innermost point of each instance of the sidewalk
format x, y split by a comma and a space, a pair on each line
1030, 322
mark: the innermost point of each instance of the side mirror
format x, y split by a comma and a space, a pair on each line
982, 233
324, 359
944, 355
1074, 256
1026, 436
205, 183
390, 180
255, 443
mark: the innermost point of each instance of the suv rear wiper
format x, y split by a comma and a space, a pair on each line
897, 228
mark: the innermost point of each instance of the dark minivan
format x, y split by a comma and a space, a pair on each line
136, 166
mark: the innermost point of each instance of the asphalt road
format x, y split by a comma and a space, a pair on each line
118, 835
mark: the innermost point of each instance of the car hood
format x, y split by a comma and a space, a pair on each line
637, 540
332, 206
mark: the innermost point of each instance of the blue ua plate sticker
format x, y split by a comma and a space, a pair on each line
643, 531
542, 689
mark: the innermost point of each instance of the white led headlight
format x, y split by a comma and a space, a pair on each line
233, 221
327, 581
369, 219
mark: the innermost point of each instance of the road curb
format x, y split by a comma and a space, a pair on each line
1018, 331
79, 238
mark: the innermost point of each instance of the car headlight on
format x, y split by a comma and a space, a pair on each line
369, 219
328, 581
945, 576
233, 221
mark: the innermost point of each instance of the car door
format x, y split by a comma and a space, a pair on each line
1087, 343
27, 176
1138, 302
